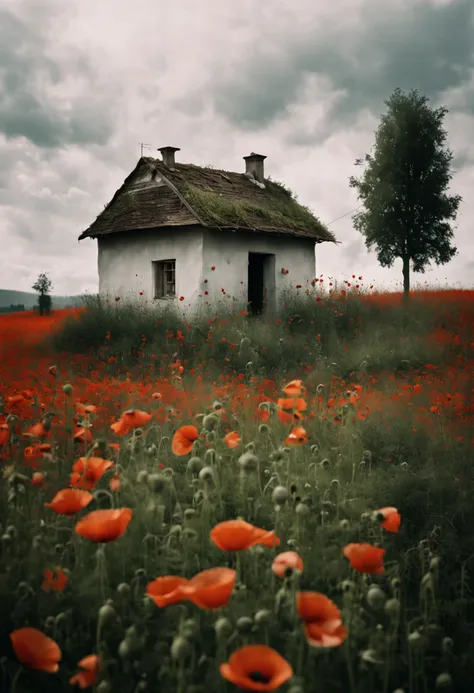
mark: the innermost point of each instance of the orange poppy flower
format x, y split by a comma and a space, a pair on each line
210, 589
136, 418
257, 668
85, 409
322, 620
55, 584
35, 650
288, 560
69, 501
232, 439
238, 535
104, 525
297, 436
38, 479
114, 483
87, 677
82, 433
295, 388
183, 440
390, 519
290, 409
365, 558
121, 428
38, 430
166, 590
88, 472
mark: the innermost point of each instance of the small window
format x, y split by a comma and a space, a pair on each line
164, 278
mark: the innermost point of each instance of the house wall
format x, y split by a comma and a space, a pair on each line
228, 252
125, 262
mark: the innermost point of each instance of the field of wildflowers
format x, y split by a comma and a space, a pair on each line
225, 504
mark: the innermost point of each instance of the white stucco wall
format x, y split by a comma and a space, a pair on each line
229, 252
125, 262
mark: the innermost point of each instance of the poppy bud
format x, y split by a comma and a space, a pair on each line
67, 389
302, 510
277, 455
209, 422
344, 524
180, 648
443, 681
61, 619
151, 450
107, 614
248, 462
250, 447
50, 623
206, 475
348, 586
198, 497
434, 563
123, 589
210, 437
244, 625
195, 464
280, 495
157, 483
415, 640
223, 628
263, 428
262, 617
325, 464
189, 514
447, 645
124, 649
392, 608
244, 343
142, 477
104, 687
376, 597
190, 628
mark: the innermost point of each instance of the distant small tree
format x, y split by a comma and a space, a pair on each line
403, 188
43, 286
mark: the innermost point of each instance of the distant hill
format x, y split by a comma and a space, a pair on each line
30, 299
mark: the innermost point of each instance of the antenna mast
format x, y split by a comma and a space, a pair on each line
142, 144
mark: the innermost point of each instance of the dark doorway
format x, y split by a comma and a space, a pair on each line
261, 282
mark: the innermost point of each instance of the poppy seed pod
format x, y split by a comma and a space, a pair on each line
142, 477
344, 524
280, 495
124, 649
447, 645
302, 510
180, 648
325, 464
195, 464
376, 597
244, 625
67, 389
151, 450
262, 617
107, 614
415, 640
123, 589
443, 681
248, 462
209, 422
223, 628
206, 475
392, 608
157, 483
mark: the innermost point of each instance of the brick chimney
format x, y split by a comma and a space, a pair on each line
254, 165
167, 154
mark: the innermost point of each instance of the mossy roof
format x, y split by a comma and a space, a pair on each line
190, 195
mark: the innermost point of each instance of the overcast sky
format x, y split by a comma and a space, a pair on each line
82, 82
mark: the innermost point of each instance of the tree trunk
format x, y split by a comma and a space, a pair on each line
406, 278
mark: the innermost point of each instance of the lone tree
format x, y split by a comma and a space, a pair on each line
403, 187
43, 286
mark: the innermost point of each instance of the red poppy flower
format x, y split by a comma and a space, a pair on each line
390, 519
322, 620
238, 535
166, 590
232, 439
88, 472
87, 677
69, 501
257, 668
55, 584
210, 589
288, 560
104, 525
295, 388
183, 440
365, 558
35, 650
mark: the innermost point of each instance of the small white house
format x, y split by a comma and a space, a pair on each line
183, 232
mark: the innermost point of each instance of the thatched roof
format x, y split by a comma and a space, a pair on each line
209, 197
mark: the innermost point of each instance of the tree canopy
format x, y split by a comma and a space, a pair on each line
403, 188
43, 284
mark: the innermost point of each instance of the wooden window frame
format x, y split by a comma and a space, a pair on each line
164, 278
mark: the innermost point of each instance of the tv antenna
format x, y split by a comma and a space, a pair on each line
142, 144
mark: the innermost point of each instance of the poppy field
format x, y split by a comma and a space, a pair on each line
227, 504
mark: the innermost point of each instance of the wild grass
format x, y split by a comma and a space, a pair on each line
387, 423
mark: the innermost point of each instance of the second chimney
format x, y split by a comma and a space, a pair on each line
254, 165
167, 154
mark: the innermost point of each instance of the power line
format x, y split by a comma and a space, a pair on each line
344, 215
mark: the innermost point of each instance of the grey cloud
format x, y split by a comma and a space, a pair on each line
419, 46
26, 110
